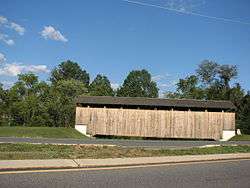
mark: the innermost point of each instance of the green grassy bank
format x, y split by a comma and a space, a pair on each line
47, 151
244, 137
40, 132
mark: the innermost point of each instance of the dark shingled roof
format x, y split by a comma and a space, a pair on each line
155, 102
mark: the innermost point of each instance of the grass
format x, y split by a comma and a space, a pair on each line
244, 137
40, 132
48, 151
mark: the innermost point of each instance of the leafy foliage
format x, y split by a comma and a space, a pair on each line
213, 82
244, 115
30, 102
138, 84
3, 105
60, 105
24, 99
227, 73
69, 70
101, 87
207, 71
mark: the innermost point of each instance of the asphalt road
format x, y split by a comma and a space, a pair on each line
217, 174
125, 143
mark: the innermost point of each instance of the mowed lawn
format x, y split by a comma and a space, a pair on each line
244, 137
40, 132
47, 151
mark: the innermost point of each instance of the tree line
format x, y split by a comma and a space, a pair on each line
213, 81
31, 102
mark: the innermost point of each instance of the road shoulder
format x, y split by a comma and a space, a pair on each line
14, 165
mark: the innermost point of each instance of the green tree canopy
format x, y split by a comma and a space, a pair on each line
101, 86
69, 70
207, 71
211, 82
24, 101
187, 88
3, 106
244, 115
61, 105
227, 73
138, 84
31, 102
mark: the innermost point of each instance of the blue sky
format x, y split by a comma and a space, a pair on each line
113, 37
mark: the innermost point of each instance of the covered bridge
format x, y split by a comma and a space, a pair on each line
158, 118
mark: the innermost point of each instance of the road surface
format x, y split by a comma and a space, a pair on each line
167, 144
214, 174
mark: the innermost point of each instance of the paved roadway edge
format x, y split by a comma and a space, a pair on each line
79, 166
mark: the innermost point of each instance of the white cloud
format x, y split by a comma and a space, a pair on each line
14, 69
2, 58
7, 84
165, 82
50, 32
184, 5
18, 28
37, 68
10, 42
157, 77
11, 25
6, 39
11, 70
160, 77
115, 85
168, 84
3, 20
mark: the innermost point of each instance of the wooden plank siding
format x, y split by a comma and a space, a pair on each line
155, 123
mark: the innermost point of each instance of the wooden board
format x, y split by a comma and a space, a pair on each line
155, 123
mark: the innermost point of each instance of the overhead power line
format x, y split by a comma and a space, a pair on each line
186, 12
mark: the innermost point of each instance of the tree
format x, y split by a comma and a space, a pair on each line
61, 105
25, 101
29, 80
244, 115
3, 105
216, 91
227, 73
187, 88
30, 102
138, 84
69, 70
221, 89
172, 95
211, 82
236, 95
101, 87
207, 71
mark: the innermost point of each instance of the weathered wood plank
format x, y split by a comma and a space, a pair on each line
155, 123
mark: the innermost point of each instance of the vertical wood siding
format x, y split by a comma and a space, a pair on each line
155, 123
